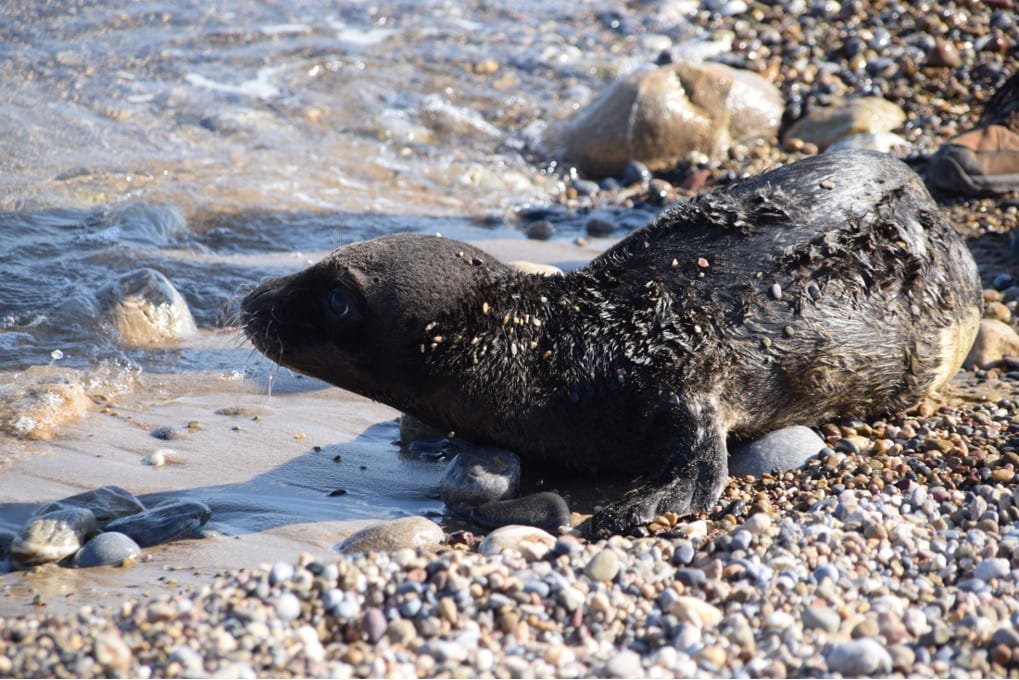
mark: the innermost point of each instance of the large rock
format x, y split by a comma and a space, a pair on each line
995, 340
165, 522
659, 116
143, 308
864, 115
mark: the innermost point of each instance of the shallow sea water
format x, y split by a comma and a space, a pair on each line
220, 143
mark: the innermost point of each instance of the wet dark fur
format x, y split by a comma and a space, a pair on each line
644, 361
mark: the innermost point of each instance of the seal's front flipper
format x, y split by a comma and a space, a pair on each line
690, 476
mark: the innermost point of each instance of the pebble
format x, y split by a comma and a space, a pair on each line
110, 547
603, 566
995, 567
165, 522
52, 537
598, 227
529, 541
861, 657
479, 475
784, 449
624, 664
409, 532
545, 510
823, 618
541, 230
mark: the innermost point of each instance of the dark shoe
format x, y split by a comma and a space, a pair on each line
984, 160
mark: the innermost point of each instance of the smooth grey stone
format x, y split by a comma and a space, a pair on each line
597, 226
164, 523
106, 503
480, 475
409, 532
603, 566
859, 657
691, 578
111, 547
823, 618
992, 567
542, 230
52, 537
545, 510
785, 449
374, 624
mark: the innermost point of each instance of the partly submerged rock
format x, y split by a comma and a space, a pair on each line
659, 116
106, 504
142, 308
164, 523
480, 475
52, 536
825, 126
409, 532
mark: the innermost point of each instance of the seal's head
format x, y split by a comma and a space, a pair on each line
353, 318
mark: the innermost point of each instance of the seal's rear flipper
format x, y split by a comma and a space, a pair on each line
691, 474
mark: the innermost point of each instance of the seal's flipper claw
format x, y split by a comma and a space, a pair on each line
690, 479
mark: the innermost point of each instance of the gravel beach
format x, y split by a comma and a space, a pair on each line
894, 552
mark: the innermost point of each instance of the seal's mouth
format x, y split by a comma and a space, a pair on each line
261, 321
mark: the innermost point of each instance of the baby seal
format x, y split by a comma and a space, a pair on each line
830, 287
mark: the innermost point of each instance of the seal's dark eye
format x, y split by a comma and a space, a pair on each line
338, 304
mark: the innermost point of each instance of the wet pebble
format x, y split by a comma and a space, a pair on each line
480, 475
409, 532
110, 547
164, 523
784, 449
545, 510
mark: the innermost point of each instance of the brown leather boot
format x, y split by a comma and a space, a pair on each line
984, 160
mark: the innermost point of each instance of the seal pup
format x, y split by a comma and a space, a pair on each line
829, 287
